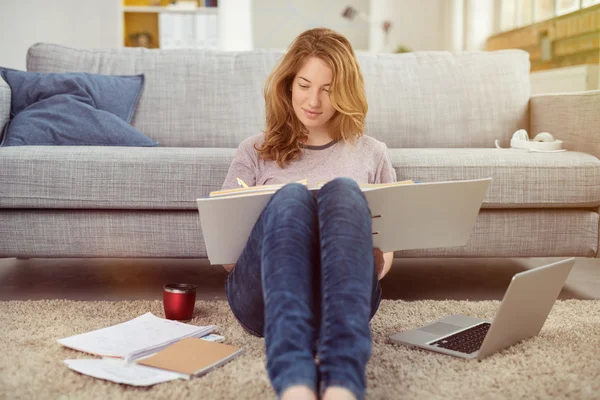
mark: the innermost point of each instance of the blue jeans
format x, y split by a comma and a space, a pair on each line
306, 281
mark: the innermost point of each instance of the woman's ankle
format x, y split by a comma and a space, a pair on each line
298, 392
338, 393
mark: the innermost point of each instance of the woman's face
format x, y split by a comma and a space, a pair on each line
310, 94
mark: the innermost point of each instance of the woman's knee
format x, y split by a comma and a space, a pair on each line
293, 197
341, 190
293, 191
343, 196
341, 184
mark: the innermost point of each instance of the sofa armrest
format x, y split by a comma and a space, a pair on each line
5, 98
571, 117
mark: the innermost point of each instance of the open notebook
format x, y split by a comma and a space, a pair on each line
119, 371
270, 189
406, 215
135, 338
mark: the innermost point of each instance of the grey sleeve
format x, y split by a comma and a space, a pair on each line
243, 166
385, 171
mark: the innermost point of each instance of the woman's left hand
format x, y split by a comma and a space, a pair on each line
379, 261
383, 262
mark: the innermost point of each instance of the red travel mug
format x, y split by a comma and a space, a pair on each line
179, 300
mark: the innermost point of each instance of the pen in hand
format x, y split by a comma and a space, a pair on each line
241, 183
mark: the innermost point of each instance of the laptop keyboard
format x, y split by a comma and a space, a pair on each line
467, 341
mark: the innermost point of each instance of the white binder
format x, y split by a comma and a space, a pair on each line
405, 217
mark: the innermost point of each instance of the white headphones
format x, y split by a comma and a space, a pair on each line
543, 142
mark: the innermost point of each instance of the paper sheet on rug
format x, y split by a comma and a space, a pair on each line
136, 338
118, 371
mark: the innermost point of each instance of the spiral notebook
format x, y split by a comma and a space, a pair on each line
192, 356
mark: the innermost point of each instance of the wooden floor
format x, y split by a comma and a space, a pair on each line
410, 279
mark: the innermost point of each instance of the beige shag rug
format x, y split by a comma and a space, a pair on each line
562, 362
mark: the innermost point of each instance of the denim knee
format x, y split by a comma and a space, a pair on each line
342, 191
341, 184
294, 191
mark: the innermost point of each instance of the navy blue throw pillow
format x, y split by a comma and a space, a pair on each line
73, 109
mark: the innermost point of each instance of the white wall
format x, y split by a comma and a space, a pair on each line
454, 33
235, 25
479, 23
419, 25
453, 25
277, 22
77, 23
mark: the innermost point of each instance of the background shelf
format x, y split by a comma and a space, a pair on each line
146, 24
160, 9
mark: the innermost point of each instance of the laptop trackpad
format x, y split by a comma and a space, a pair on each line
440, 328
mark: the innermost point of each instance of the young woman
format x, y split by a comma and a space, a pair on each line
308, 278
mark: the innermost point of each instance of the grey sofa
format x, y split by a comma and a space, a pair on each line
438, 112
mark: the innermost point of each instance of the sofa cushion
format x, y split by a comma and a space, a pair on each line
5, 97
520, 179
171, 233
173, 178
73, 109
206, 98
109, 177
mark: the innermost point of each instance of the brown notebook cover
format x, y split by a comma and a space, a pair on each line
192, 356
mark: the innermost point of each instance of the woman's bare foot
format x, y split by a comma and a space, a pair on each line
298, 393
338, 393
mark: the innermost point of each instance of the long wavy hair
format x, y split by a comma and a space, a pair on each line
284, 132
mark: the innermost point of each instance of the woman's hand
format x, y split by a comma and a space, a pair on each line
383, 262
379, 261
228, 267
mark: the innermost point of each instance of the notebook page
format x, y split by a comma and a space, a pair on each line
117, 371
253, 189
153, 349
130, 337
372, 186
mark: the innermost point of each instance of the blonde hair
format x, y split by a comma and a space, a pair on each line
284, 132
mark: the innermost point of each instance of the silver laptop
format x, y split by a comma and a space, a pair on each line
522, 313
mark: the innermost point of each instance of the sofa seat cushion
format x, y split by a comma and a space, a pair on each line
175, 234
109, 177
173, 178
520, 179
